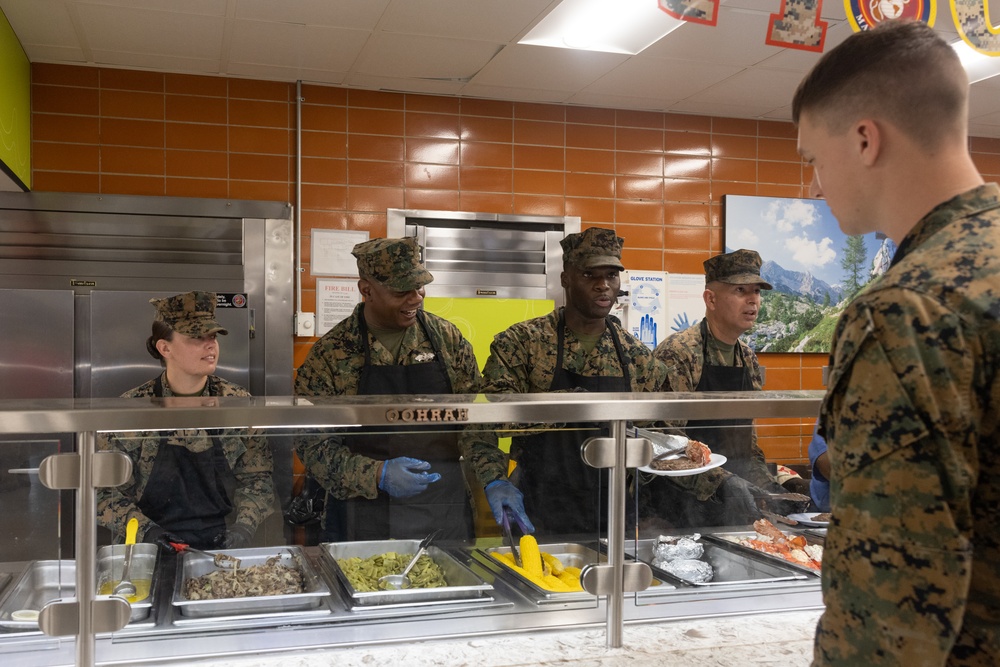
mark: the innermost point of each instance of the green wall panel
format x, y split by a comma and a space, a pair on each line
15, 106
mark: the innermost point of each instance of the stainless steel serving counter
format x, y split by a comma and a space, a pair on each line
167, 636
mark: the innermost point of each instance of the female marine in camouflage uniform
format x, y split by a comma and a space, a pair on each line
186, 484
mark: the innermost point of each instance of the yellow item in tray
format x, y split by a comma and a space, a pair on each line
531, 557
141, 589
555, 565
568, 579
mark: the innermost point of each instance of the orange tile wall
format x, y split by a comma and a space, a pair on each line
658, 179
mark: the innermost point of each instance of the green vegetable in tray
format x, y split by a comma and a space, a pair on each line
364, 573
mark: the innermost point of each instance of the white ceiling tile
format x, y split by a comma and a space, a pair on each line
526, 66
715, 109
358, 14
158, 63
984, 101
516, 94
298, 46
43, 22
589, 98
761, 88
738, 39
666, 79
423, 57
781, 113
486, 20
57, 54
424, 86
145, 32
203, 7
277, 73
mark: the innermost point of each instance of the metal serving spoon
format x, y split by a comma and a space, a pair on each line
399, 581
125, 587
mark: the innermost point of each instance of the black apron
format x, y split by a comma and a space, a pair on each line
562, 494
188, 493
445, 503
730, 437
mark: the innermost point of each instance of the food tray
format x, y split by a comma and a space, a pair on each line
731, 540
463, 583
571, 554
111, 560
192, 565
731, 568
41, 582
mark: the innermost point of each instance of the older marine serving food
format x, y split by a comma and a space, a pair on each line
364, 573
270, 578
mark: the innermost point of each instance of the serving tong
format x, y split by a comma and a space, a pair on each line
510, 538
224, 561
665, 443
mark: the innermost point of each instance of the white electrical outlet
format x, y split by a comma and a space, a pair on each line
305, 324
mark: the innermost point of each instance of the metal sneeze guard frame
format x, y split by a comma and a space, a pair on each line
86, 417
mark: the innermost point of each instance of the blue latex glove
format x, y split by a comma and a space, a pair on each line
402, 477
500, 493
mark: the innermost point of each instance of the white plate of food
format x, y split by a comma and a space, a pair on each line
812, 519
715, 461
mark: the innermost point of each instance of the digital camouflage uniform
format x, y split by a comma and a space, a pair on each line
522, 358
334, 364
246, 451
911, 573
525, 359
682, 354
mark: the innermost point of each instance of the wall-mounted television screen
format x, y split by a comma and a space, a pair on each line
814, 267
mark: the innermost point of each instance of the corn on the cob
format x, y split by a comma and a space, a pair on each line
531, 557
556, 584
543, 575
571, 580
555, 565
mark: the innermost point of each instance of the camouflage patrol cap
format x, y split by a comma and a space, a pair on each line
740, 267
394, 263
594, 247
191, 313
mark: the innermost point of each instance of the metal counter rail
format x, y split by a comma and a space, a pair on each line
123, 414
86, 417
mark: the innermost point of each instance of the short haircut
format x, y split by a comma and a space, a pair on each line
900, 71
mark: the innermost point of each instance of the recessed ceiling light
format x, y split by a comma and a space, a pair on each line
612, 26
978, 65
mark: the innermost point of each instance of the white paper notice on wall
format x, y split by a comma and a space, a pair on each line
685, 304
335, 300
330, 252
647, 306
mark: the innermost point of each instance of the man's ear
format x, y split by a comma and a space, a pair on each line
709, 298
868, 139
365, 288
563, 280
